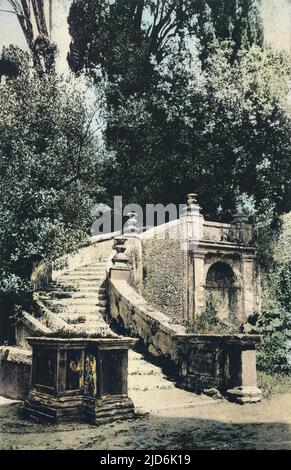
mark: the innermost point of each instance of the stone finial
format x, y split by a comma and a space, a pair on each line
242, 230
192, 204
120, 260
240, 218
130, 229
192, 221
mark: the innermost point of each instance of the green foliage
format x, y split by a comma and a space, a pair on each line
271, 384
32, 20
272, 354
125, 37
274, 324
225, 127
44, 55
163, 276
48, 167
209, 323
283, 290
203, 107
237, 20
267, 235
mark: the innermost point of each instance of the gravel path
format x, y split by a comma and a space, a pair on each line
206, 426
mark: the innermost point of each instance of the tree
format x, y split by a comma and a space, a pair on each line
48, 162
223, 130
33, 22
236, 20
196, 103
125, 37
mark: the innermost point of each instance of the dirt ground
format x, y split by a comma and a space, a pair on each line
216, 425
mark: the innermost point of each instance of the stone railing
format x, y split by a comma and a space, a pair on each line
197, 362
98, 247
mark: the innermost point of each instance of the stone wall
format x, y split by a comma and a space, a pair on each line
177, 257
15, 368
98, 248
196, 362
163, 275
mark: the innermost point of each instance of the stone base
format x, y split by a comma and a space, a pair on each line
109, 409
244, 395
46, 408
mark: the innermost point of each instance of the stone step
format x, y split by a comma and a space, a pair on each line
75, 283
74, 318
73, 301
77, 277
101, 265
82, 287
74, 311
91, 268
81, 300
87, 272
94, 328
56, 286
91, 328
60, 294
143, 383
82, 311
135, 368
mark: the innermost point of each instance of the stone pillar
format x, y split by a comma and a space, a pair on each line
241, 351
249, 285
133, 246
121, 268
194, 220
199, 281
188, 296
193, 259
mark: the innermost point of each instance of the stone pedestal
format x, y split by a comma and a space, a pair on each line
223, 362
79, 379
242, 365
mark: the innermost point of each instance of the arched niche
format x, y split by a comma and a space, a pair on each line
221, 290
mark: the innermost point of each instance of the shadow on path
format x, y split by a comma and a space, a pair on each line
147, 433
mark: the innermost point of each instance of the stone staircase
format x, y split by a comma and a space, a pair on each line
152, 392
79, 297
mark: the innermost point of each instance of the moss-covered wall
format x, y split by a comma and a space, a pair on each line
274, 253
163, 278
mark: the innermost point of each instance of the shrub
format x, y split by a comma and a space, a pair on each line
272, 354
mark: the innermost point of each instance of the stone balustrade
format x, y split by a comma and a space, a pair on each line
196, 362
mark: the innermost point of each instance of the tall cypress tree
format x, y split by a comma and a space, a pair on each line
237, 20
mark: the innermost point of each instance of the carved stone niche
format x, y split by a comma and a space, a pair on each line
79, 380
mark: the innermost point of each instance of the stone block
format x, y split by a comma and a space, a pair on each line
15, 369
79, 379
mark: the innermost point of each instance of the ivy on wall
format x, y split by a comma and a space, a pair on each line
163, 280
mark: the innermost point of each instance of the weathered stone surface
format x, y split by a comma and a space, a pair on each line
27, 326
180, 283
79, 379
197, 362
15, 366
